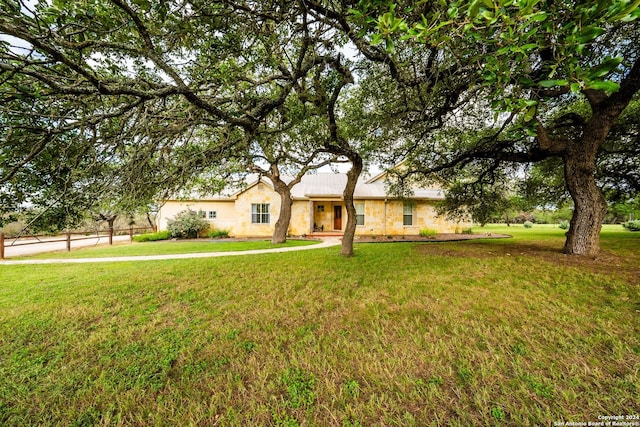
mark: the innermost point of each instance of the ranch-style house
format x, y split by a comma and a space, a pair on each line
318, 208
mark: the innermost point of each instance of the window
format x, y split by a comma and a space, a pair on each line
202, 214
320, 208
260, 213
359, 213
407, 213
213, 214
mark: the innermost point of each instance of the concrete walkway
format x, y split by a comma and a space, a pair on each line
324, 244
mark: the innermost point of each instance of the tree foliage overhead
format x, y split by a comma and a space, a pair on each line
534, 62
152, 91
129, 98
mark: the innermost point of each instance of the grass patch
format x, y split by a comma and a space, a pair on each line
152, 237
218, 234
428, 232
493, 332
169, 247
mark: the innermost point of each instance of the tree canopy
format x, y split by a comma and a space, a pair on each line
148, 83
548, 80
128, 99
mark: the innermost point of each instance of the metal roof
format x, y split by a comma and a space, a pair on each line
331, 185
326, 186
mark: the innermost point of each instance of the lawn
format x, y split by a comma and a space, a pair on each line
485, 332
169, 247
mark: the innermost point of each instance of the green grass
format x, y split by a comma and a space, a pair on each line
613, 236
168, 247
484, 332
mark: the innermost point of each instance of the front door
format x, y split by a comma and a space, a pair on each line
337, 217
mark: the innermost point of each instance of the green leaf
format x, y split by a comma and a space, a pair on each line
410, 35
589, 33
529, 34
442, 24
489, 76
530, 114
488, 15
526, 81
607, 66
552, 83
539, 17
389, 45
606, 85
632, 9
143, 4
575, 87
474, 9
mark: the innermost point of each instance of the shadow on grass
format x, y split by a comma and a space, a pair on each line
546, 251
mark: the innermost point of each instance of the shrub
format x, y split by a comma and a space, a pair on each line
152, 237
428, 232
187, 225
564, 225
528, 224
632, 225
467, 231
218, 234
523, 217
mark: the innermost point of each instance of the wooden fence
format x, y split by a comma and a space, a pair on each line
68, 237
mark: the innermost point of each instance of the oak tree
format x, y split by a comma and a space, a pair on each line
530, 57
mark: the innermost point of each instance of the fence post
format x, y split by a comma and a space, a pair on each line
1, 245
68, 240
130, 233
110, 235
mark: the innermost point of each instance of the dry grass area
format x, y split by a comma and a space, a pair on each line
606, 262
497, 332
440, 237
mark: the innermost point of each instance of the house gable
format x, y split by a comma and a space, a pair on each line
381, 177
256, 210
254, 182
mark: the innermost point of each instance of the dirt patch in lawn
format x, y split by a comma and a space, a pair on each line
604, 263
443, 237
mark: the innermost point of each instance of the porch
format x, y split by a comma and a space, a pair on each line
327, 218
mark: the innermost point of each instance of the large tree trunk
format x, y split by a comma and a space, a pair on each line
350, 229
590, 207
282, 224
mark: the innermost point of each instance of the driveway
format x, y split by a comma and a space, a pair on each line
31, 246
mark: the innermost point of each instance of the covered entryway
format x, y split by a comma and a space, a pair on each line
337, 217
326, 216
